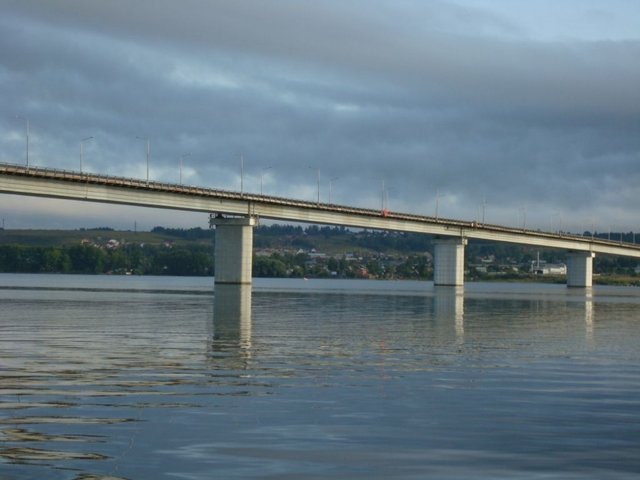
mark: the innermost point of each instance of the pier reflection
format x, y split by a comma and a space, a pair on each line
588, 316
232, 321
449, 307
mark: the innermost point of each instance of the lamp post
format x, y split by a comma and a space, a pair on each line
241, 174
318, 181
262, 176
181, 157
27, 122
81, 149
148, 150
484, 207
523, 216
331, 186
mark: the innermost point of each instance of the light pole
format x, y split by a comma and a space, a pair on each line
148, 150
554, 216
386, 198
81, 148
331, 186
318, 181
437, 202
484, 207
27, 121
523, 214
241, 174
181, 157
262, 176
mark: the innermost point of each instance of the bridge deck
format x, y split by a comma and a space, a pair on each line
46, 182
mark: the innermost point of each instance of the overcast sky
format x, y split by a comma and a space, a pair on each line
526, 111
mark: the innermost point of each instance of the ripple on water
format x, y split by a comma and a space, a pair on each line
415, 384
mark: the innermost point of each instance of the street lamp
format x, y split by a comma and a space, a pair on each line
181, 157
241, 174
262, 176
27, 121
331, 186
318, 170
523, 215
148, 149
81, 144
386, 198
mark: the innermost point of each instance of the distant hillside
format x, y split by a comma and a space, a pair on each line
60, 238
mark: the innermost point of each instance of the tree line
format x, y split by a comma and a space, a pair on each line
88, 259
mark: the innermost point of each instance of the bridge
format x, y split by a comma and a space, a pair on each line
234, 214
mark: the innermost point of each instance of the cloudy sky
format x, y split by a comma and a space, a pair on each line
526, 111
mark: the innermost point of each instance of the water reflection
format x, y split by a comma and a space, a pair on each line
449, 307
232, 321
588, 316
354, 384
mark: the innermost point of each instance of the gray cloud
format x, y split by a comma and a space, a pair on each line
429, 96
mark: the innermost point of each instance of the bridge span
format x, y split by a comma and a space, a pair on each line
234, 214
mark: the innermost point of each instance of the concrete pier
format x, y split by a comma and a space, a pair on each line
234, 249
448, 262
580, 269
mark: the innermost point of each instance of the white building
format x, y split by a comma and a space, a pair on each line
543, 268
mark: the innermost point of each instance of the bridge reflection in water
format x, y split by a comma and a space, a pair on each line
449, 307
232, 322
588, 316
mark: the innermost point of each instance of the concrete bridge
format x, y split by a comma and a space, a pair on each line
234, 214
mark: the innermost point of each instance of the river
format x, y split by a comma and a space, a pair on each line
158, 377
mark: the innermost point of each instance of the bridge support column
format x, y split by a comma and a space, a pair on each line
233, 252
448, 262
580, 269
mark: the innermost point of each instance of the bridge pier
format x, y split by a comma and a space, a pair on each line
233, 252
580, 269
448, 262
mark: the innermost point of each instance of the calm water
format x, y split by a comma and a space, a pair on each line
149, 378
